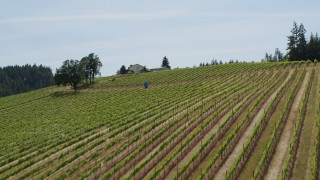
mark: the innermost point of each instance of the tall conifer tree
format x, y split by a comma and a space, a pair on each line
302, 44
165, 62
293, 43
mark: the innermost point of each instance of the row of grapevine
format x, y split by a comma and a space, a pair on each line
160, 141
294, 145
170, 103
183, 75
233, 137
195, 109
248, 147
267, 155
117, 129
181, 154
316, 149
206, 146
221, 152
133, 129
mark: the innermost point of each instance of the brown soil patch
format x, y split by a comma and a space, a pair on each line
246, 136
279, 158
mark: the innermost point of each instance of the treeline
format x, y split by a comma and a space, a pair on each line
277, 57
75, 72
20, 79
213, 62
299, 47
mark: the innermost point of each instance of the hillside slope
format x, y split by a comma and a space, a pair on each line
185, 125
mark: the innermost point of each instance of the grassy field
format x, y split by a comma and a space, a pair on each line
233, 121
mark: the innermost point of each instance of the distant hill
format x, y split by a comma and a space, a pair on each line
20, 79
240, 120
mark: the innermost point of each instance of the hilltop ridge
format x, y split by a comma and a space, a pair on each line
178, 127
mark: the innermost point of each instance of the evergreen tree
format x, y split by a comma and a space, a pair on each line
278, 56
123, 70
266, 57
293, 43
214, 62
165, 63
297, 43
20, 79
313, 48
302, 44
317, 40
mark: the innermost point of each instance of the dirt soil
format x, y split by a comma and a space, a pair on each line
309, 164
279, 158
198, 145
246, 136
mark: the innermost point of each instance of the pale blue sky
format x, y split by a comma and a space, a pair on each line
124, 32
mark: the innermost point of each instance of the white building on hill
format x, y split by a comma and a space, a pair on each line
137, 68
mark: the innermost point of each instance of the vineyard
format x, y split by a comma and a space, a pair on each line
232, 121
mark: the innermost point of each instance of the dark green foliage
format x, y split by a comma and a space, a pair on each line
204, 64
293, 43
90, 66
268, 57
299, 49
313, 47
72, 72
85, 68
20, 79
231, 61
277, 57
165, 63
123, 70
302, 44
145, 69
69, 74
298, 46
213, 62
